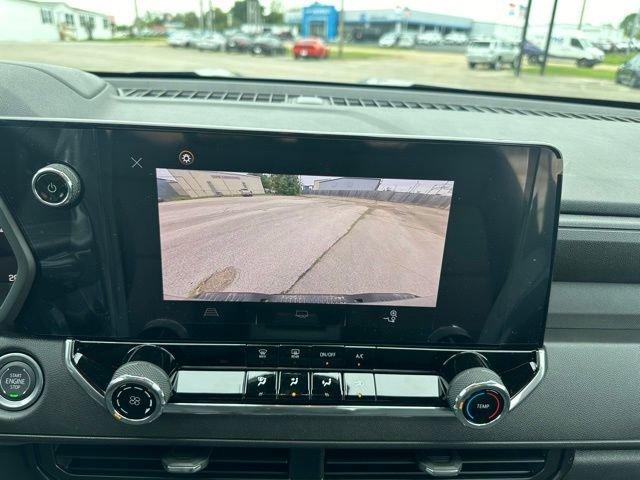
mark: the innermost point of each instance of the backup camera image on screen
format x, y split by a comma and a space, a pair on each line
251, 237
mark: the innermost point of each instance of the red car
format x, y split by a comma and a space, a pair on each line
310, 48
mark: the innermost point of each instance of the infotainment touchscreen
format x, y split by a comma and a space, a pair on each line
261, 237
291, 238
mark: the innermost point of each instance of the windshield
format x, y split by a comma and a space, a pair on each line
375, 42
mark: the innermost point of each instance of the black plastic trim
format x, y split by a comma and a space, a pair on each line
26, 268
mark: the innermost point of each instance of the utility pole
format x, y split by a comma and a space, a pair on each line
201, 18
137, 14
341, 30
584, 5
548, 42
523, 40
211, 17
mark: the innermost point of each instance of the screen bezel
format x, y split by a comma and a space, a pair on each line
444, 160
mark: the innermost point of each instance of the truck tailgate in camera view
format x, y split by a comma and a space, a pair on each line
229, 236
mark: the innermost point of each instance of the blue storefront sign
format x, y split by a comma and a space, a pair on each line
319, 21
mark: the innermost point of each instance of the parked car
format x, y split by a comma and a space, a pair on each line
388, 40
493, 53
245, 192
181, 38
605, 45
310, 48
456, 38
430, 38
629, 73
239, 42
212, 41
407, 40
533, 53
267, 45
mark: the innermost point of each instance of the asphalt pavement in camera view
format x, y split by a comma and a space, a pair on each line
301, 245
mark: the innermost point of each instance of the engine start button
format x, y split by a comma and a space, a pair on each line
483, 407
17, 381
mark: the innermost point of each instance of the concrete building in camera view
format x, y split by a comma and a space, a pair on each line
350, 184
204, 184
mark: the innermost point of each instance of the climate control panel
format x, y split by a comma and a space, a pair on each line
138, 382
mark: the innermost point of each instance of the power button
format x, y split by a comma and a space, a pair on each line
56, 185
21, 381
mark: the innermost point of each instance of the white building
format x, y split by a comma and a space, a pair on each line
36, 21
502, 31
347, 183
205, 184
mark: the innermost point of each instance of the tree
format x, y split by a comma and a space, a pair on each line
219, 19
282, 184
276, 13
246, 11
189, 20
628, 25
89, 24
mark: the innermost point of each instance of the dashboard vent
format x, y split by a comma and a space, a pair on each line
281, 98
475, 464
73, 461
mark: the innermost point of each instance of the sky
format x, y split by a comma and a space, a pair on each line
597, 12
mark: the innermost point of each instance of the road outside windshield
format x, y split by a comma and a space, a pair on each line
236, 236
592, 51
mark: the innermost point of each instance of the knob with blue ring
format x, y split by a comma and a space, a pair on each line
483, 406
478, 397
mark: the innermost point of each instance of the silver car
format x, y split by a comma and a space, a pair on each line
493, 53
214, 41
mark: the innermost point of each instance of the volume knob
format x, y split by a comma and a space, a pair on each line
138, 392
478, 397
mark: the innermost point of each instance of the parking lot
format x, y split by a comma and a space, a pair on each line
432, 67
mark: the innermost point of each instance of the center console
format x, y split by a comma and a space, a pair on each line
207, 272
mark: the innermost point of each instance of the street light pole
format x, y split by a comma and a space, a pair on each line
211, 17
137, 13
584, 5
548, 42
341, 30
523, 40
201, 18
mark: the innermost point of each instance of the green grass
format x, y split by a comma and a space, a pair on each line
618, 58
571, 71
354, 54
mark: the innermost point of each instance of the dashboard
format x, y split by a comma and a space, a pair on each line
243, 279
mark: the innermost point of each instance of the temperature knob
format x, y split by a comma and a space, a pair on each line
478, 397
476, 394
